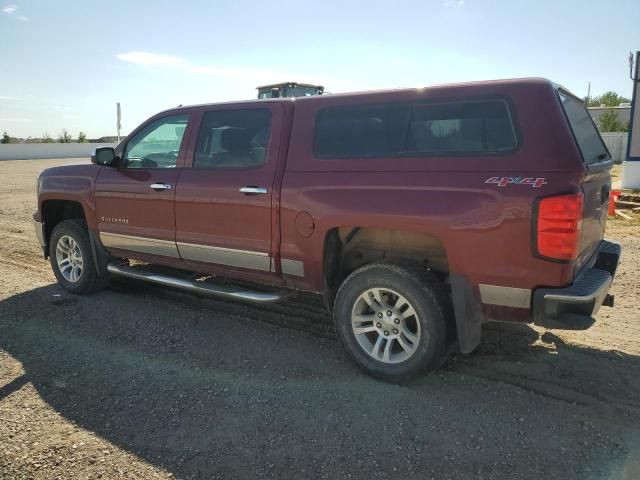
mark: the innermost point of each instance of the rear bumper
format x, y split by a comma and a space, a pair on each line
573, 307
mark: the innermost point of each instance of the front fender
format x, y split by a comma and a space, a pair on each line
74, 183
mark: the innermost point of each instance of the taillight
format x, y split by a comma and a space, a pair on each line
558, 226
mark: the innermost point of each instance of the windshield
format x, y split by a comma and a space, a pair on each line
589, 141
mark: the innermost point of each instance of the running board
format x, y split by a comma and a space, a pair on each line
194, 286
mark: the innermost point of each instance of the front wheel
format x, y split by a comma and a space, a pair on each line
72, 259
391, 319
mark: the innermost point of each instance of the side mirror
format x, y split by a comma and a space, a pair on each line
103, 156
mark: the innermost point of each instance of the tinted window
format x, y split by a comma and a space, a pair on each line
591, 145
471, 127
157, 145
233, 139
369, 130
429, 129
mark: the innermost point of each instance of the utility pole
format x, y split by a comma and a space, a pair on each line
118, 121
588, 93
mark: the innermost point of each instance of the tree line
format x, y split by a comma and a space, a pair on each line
63, 137
609, 120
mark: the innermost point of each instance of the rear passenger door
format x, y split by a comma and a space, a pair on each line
224, 197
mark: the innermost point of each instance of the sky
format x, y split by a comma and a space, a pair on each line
65, 64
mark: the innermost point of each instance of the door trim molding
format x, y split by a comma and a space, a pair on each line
225, 256
505, 296
292, 267
152, 246
189, 251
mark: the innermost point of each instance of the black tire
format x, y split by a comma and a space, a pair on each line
423, 292
89, 281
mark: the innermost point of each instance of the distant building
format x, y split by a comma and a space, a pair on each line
623, 112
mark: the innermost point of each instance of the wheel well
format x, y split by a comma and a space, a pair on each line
55, 211
349, 248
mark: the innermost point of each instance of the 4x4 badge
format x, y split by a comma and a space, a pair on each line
504, 181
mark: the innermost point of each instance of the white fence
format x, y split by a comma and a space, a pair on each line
24, 151
617, 144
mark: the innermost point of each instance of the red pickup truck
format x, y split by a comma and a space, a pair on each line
419, 214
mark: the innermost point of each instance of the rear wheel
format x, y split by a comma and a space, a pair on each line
72, 258
391, 319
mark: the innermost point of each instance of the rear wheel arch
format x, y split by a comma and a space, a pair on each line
347, 249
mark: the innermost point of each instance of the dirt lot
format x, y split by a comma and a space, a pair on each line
142, 382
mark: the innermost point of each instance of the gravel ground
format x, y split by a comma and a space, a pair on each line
144, 382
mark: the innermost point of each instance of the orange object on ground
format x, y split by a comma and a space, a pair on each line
612, 201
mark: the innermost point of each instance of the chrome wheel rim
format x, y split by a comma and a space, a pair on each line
385, 325
69, 259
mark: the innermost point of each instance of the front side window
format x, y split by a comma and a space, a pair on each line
456, 128
157, 145
233, 139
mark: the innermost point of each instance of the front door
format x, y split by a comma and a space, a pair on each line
224, 201
135, 202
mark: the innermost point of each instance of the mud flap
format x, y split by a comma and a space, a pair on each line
100, 255
468, 313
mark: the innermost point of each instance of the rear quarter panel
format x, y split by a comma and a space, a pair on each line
485, 228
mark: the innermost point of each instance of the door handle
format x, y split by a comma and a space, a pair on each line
160, 186
251, 190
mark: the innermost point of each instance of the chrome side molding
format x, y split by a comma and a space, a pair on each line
39, 228
505, 296
153, 246
194, 286
225, 256
292, 267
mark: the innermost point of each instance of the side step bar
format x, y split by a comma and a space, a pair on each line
195, 286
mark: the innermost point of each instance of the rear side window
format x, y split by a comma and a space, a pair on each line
589, 141
460, 128
233, 139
